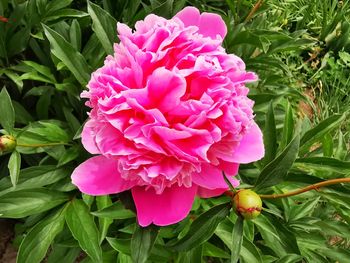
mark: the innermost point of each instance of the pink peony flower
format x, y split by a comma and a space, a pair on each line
169, 113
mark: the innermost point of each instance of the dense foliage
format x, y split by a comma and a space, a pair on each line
301, 51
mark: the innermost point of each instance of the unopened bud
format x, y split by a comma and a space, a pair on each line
7, 143
247, 203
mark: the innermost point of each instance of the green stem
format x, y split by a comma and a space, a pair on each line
43, 144
301, 190
306, 189
253, 10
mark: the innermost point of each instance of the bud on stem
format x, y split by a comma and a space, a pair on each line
247, 203
7, 143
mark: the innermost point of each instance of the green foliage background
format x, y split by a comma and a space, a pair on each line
299, 48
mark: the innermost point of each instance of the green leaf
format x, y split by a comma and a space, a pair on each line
61, 254
237, 239
104, 223
36, 243
64, 13
290, 258
193, 255
14, 166
275, 234
7, 116
321, 129
210, 250
21, 114
27, 202
288, 127
84, 230
104, 25
142, 242
43, 70
159, 253
325, 163
64, 51
114, 211
249, 252
276, 171
270, 137
55, 5
203, 227
41, 132
302, 210
327, 145
34, 177
75, 35
69, 155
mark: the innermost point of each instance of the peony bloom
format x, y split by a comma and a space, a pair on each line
169, 113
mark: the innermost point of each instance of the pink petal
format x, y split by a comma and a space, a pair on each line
209, 24
251, 147
170, 207
99, 176
210, 177
165, 89
212, 25
208, 193
88, 137
190, 16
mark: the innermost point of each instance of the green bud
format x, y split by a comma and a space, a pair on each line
247, 203
7, 143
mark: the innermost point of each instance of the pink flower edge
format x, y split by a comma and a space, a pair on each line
168, 151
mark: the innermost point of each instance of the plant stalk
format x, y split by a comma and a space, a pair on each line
301, 190
42, 145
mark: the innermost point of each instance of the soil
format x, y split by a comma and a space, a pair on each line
7, 251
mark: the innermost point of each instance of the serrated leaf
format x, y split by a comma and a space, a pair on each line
84, 229
64, 51
276, 171
22, 203
104, 25
202, 228
36, 243
142, 242
7, 115
14, 166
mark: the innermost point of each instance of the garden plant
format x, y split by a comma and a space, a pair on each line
175, 130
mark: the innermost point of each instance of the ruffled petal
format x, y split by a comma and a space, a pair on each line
251, 147
87, 137
170, 207
209, 24
99, 176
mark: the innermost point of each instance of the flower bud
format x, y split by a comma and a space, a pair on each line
7, 143
247, 203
